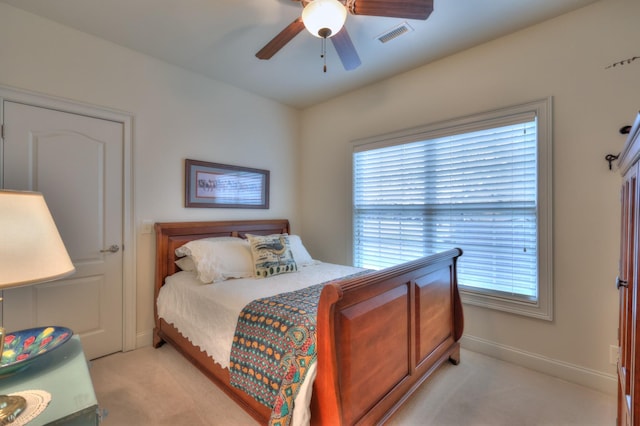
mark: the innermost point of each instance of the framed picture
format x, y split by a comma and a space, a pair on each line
220, 185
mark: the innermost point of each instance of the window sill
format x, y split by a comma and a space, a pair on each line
530, 309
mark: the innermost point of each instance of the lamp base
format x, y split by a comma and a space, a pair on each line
10, 407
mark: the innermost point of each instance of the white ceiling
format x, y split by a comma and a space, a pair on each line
219, 38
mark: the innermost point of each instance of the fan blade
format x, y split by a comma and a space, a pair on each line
346, 51
279, 41
409, 9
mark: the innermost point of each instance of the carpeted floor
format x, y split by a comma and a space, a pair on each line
159, 387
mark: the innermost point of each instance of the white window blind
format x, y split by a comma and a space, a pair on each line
476, 190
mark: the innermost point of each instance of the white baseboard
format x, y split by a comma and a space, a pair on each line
603, 382
144, 338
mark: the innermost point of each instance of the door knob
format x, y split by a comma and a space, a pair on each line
621, 283
113, 249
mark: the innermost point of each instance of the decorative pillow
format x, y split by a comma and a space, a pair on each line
300, 253
217, 259
271, 255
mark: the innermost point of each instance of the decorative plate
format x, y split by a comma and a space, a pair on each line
23, 346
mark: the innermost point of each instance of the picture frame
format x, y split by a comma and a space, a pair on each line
213, 185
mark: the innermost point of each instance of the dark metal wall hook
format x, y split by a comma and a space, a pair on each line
624, 130
611, 158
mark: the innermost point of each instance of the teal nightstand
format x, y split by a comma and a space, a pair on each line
63, 373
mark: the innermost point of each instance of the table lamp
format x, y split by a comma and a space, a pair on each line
31, 251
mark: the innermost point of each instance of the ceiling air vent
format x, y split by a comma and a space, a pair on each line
395, 32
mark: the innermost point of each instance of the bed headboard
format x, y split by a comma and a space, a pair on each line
171, 235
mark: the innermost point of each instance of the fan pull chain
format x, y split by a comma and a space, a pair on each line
323, 53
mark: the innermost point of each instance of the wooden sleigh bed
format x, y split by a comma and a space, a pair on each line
379, 335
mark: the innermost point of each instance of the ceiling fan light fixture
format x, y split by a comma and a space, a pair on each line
324, 18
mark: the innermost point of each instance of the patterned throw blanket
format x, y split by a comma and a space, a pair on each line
273, 347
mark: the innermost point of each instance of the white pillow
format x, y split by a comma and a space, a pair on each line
186, 263
217, 259
300, 253
184, 250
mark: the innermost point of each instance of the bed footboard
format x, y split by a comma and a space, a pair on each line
381, 335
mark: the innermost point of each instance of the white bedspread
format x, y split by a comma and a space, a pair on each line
206, 314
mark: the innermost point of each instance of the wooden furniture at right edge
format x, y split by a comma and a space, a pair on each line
627, 283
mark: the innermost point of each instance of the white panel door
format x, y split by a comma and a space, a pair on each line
77, 163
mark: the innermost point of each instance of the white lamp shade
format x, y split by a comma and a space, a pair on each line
321, 15
31, 249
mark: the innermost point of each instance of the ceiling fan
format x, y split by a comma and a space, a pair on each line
336, 10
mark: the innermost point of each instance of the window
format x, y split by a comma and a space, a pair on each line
481, 183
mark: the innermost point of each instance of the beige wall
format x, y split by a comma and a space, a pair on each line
564, 58
177, 115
